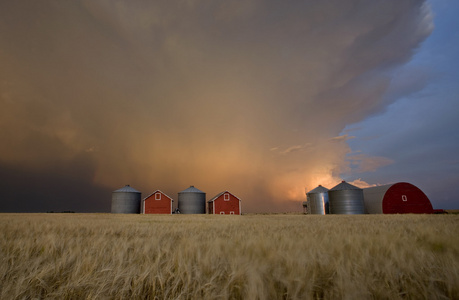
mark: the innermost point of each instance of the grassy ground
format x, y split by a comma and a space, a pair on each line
104, 256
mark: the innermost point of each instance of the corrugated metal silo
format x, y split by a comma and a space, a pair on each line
192, 201
126, 200
318, 203
396, 198
346, 199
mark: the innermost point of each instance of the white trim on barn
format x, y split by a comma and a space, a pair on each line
216, 197
143, 200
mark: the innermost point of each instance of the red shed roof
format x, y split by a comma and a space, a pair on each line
214, 198
161, 193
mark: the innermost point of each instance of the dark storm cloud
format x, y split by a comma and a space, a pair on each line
418, 132
66, 186
245, 96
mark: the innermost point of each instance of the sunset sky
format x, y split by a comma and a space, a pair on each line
262, 98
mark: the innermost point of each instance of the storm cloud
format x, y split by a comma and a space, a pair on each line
247, 96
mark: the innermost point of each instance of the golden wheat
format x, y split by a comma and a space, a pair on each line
104, 256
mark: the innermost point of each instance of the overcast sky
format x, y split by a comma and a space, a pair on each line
261, 98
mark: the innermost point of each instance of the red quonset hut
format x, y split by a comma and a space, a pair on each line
157, 203
224, 203
396, 198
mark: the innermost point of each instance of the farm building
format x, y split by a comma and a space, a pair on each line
317, 201
126, 200
192, 201
157, 203
397, 198
224, 203
346, 199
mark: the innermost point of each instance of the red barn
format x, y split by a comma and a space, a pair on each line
157, 203
396, 198
225, 203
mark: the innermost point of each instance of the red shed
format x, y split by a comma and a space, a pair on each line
157, 203
396, 198
225, 203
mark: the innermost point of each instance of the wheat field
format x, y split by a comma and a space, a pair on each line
105, 256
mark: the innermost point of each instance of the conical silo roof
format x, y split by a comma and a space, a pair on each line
192, 189
344, 186
318, 190
126, 189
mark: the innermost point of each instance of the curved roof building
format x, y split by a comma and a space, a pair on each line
396, 198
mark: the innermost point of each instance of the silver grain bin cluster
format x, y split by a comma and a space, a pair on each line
192, 201
126, 200
346, 199
317, 201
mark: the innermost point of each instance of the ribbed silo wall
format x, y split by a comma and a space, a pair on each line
318, 202
192, 203
126, 203
346, 199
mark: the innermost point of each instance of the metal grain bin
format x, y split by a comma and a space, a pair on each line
192, 201
346, 199
126, 200
396, 198
318, 201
